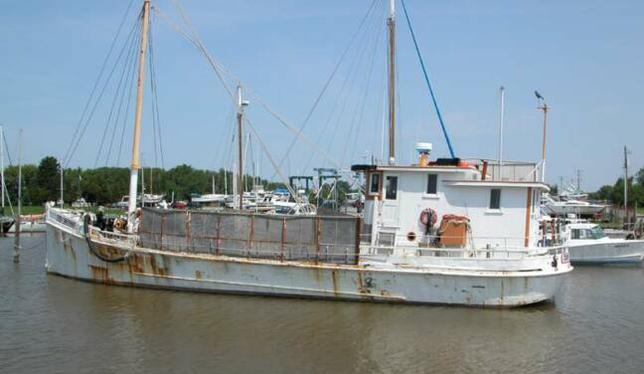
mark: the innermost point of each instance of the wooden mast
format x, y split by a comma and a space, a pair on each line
240, 145
134, 169
391, 65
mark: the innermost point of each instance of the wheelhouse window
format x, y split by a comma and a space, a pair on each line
495, 199
432, 184
391, 188
374, 185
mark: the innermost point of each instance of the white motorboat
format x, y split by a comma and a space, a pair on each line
588, 244
565, 207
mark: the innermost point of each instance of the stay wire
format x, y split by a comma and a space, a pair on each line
429, 86
96, 82
79, 137
344, 94
131, 55
128, 102
340, 97
127, 92
328, 81
366, 92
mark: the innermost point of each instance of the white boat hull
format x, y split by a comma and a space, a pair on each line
68, 254
28, 227
581, 210
611, 251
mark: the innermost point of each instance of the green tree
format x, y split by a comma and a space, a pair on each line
47, 180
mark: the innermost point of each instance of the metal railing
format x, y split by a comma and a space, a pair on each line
514, 171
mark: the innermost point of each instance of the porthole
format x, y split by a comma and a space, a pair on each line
411, 236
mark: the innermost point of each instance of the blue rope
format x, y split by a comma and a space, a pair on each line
429, 85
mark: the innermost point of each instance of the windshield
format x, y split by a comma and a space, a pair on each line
591, 233
597, 232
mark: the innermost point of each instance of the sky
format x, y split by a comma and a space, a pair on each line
585, 58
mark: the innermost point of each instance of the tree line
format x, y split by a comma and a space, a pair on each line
615, 193
106, 185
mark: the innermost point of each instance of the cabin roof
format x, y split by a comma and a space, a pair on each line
494, 183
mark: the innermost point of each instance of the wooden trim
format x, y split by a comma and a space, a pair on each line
527, 218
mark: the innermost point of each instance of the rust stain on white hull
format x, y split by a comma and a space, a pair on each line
68, 254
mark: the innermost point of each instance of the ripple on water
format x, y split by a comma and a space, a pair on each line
54, 324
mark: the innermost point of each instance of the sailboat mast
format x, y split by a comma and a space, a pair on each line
2, 164
240, 146
391, 66
134, 169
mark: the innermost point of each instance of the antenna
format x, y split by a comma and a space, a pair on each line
501, 115
544, 107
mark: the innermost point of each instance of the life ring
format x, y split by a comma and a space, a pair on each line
120, 224
428, 217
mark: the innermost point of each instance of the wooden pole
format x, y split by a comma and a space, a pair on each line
136, 140
17, 221
391, 64
240, 148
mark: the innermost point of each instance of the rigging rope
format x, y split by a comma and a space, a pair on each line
220, 71
343, 94
130, 57
127, 113
67, 157
328, 81
128, 84
156, 120
6, 147
270, 158
429, 86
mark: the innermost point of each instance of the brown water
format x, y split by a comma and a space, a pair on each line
53, 324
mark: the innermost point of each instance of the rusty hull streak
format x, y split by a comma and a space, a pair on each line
67, 246
100, 274
334, 279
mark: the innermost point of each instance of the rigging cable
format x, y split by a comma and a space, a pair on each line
76, 142
129, 58
96, 83
429, 86
327, 83
6, 147
128, 84
128, 102
349, 78
277, 169
219, 71
156, 120
366, 91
